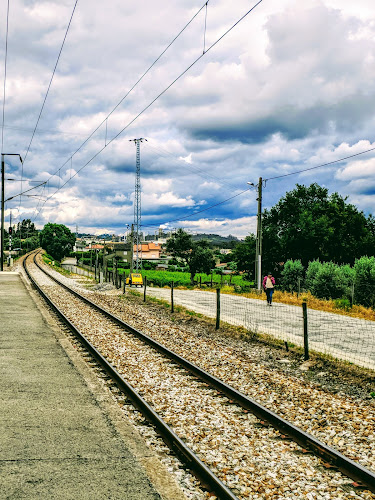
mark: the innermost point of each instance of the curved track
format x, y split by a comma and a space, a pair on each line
348, 467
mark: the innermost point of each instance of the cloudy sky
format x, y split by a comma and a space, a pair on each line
290, 87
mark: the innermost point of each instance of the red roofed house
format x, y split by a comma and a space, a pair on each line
149, 250
96, 246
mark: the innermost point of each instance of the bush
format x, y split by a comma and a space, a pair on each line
364, 285
343, 304
327, 283
347, 276
123, 265
312, 270
148, 265
292, 275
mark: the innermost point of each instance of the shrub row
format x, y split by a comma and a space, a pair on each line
327, 280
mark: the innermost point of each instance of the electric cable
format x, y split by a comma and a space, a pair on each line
45, 97
322, 165
50, 82
199, 211
193, 168
155, 99
132, 88
5, 78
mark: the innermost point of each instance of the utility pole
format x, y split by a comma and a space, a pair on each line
258, 247
10, 238
132, 249
2, 211
258, 252
137, 202
3, 203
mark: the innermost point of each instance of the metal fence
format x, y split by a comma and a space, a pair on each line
340, 336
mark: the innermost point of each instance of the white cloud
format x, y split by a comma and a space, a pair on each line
288, 88
240, 228
361, 169
168, 199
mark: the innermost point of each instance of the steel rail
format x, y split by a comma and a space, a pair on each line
169, 436
361, 475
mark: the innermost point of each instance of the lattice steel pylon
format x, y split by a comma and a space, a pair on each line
137, 204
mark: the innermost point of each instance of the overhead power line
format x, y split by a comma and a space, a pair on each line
50, 82
5, 77
209, 177
27, 190
198, 212
154, 100
131, 89
322, 165
45, 99
268, 179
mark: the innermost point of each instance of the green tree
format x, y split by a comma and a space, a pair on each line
26, 229
244, 255
309, 224
57, 240
197, 255
30, 243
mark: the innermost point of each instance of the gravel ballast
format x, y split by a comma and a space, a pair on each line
251, 459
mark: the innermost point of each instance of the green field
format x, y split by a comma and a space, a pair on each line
164, 278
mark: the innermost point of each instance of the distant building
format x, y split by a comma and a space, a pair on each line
95, 246
149, 251
80, 246
225, 251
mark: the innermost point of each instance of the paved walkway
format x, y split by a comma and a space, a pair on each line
55, 440
341, 336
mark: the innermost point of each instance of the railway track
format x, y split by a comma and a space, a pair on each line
260, 429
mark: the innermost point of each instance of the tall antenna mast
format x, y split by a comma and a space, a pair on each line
137, 202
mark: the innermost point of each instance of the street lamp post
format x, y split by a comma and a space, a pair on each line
3, 203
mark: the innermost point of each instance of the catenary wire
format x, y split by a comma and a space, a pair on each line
155, 99
5, 77
45, 98
50, 82
131, 89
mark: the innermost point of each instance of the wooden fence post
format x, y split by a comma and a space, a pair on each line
305, 331
144, 288
217, 308
172, 303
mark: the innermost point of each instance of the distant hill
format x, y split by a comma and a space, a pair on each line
104, 236
215, 240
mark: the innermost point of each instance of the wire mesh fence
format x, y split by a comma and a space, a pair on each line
340, 336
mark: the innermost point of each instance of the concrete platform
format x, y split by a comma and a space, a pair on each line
55, 439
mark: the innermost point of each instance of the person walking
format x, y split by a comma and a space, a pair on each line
269, 285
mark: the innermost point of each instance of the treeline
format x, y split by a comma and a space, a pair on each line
24, 237
309, 224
